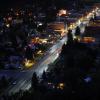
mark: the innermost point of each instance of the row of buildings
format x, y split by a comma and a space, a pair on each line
66, 20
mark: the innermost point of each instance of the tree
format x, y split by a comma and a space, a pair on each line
29, 53
70, 37
34, 81
44, 77
4, 81
77, 33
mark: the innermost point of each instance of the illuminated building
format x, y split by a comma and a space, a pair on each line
59, 27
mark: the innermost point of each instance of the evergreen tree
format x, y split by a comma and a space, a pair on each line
70, 38
34, 81
44, 75
4, 81
77, 33
29, 53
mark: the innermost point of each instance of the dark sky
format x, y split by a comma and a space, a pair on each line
16, 3
12, 3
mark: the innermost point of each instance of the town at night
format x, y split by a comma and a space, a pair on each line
50, 50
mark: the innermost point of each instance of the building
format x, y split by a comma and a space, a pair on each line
59, 27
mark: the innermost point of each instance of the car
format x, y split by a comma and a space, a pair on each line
14, 83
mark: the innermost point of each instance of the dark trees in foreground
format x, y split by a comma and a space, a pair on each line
78, 55
75, 71
77, 33
34, 81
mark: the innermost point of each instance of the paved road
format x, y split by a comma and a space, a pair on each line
23, 78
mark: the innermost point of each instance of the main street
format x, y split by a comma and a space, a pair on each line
23, 78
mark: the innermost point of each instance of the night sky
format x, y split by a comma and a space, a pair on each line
16, 3
12, 3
